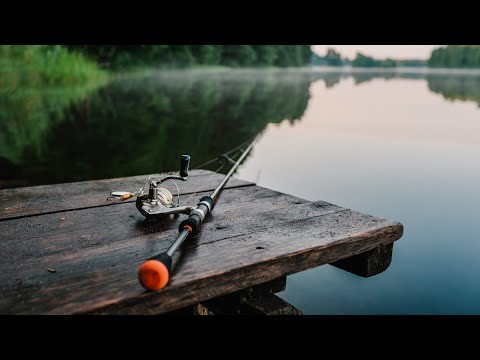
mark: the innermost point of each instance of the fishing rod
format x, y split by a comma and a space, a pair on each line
154, 273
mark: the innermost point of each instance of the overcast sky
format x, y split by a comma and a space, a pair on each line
381, 51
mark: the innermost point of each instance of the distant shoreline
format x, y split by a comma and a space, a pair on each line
400, 70
305, 69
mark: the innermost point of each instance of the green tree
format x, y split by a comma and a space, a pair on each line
333, 58
266, 54
284, 58
456, 56
182, 56
292, 55
123, 56
363, 61
238, 55
207, 54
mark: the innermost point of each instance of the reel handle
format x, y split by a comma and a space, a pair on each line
184, 164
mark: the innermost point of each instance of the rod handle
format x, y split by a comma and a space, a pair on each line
197, 215
154, 273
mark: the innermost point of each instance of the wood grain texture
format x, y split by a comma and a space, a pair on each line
37, 200
64, 234
244, 265
252, 236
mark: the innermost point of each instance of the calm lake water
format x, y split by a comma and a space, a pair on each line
405, 146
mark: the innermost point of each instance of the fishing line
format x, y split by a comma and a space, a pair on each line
226, 153
205, 183
202, 184
122, 196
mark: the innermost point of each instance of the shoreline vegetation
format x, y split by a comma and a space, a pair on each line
448, 57
120, 57
456, 56
335, 59
52, 65
34, 65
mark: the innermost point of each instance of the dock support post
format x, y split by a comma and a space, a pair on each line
258, 300
369, 263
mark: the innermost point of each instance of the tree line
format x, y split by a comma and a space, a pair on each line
34, 65
450, 56
456, 56
120, 56
334, 58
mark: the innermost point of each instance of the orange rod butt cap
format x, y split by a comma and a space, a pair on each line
153, 275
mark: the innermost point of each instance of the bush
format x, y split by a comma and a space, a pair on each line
45, 64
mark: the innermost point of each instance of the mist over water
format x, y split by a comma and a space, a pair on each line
401, 145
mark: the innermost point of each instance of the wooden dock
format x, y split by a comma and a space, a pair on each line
66, 250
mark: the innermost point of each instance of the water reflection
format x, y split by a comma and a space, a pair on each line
395, 149
141, 124
465, 88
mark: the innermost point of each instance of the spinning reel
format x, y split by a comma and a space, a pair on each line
158, 201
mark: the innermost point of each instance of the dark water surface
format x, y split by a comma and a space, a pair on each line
400, 145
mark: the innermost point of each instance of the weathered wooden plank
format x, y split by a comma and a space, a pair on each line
29, 201
62, 237
369, 263
86, 281
243, 265
66, 233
